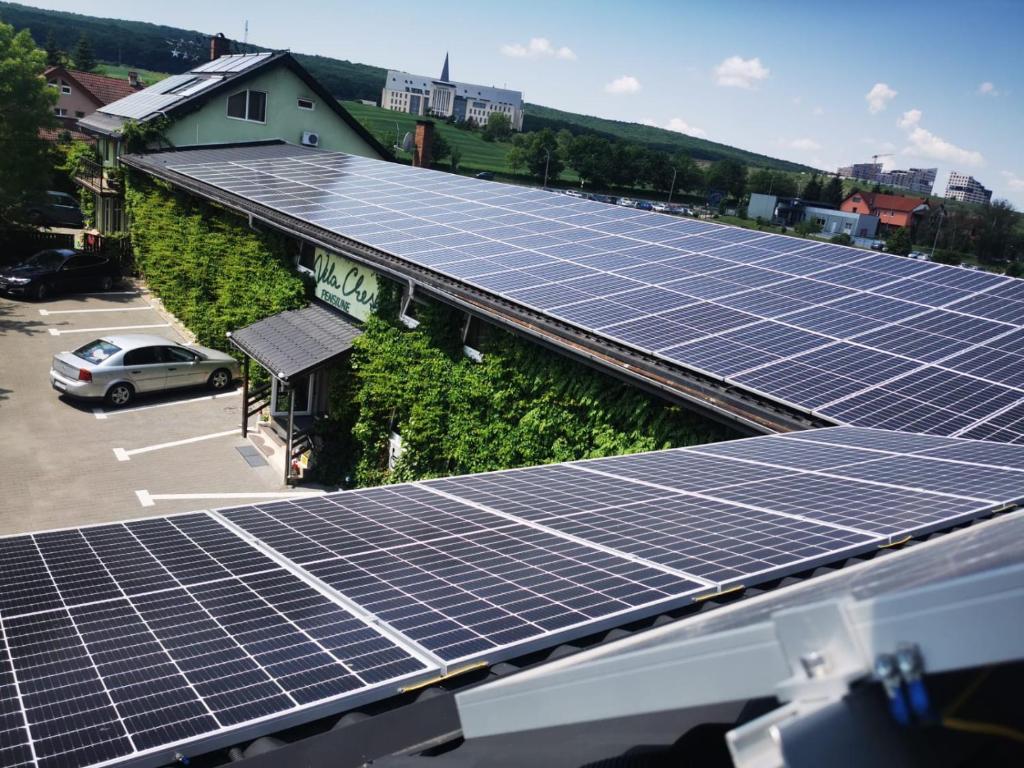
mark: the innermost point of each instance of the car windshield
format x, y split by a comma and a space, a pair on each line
47, 259
97, 351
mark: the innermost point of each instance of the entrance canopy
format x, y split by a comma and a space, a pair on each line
294, 343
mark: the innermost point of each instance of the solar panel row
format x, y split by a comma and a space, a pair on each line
138, 639
879, 340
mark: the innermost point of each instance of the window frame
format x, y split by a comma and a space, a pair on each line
311, 102
247, 119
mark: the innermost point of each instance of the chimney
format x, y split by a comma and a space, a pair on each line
424, 138
218, 46
133, 79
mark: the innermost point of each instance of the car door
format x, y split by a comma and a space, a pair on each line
74, 273
183, 368
145, 368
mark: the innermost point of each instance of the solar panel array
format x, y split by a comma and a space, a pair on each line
135, 641
851, 336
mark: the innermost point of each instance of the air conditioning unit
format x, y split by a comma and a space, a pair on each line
310, 139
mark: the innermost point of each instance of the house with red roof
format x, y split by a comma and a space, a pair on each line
893, 211
82, 93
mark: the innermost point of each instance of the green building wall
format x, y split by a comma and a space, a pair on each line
211, 125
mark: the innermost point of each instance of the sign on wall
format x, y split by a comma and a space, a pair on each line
350, 287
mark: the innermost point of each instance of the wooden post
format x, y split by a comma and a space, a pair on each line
245, 395
291, 430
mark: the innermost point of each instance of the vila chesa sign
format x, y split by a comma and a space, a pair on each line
344, 284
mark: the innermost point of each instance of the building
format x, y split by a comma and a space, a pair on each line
832, 222
442, 97
82, 93
967, 189
919, 180
893, 211
239, 98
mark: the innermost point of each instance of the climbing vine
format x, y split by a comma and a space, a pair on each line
211, 271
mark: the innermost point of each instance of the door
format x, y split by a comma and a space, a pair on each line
145, 368
183, 369
303, 397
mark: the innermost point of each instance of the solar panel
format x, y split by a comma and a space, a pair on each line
142, 639
645, 272
122, 640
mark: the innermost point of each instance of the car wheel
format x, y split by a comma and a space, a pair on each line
106, 283
42, 291
120, 395
220, 379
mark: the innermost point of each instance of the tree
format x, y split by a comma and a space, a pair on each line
832, 193
995, 235
26, 103
84, 57
728, 176
761, 182
454, 158
812, 189
498, 128
54, 55
688, 173
587, 154
841, 239
540, 152
899, 242
515, 158
439, 148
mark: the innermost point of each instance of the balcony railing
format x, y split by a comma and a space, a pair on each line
99, 179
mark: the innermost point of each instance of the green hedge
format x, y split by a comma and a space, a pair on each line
211, 271
522, 405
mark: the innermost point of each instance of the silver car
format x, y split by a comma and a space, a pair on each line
117, 368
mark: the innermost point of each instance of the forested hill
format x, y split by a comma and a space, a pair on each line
171, 49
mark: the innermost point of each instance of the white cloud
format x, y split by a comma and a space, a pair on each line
681, 126
624, 84
924, 143
878, 97
818, 111
737, 72
538, 47
988, 89
1013, 181
804, 145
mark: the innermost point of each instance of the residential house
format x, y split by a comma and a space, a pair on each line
893, 211
82, 93
229, 99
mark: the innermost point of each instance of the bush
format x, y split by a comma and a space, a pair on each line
841, 239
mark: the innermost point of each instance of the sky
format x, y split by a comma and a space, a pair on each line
934, 83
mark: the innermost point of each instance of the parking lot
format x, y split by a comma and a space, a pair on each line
69, 463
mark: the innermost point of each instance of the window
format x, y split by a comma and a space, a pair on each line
79, 113
96, 351
143, 356
179, 355
248, 105
60, 112
65, 89
306, 103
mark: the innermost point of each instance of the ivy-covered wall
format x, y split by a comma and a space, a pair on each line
211, 271
522, 405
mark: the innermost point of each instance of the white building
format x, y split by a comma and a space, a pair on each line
967, 189
423, 95
914, 179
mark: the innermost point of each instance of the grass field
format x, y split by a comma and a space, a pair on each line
149, 77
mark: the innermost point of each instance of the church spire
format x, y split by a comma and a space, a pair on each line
444, 69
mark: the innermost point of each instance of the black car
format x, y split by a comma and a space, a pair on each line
58, 271
486, 175
55, 209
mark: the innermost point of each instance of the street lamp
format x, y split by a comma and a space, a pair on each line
547, 161
672, 188
938, 228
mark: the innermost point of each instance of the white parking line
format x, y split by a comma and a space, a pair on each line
148, 499
47, 312
123, 455
102, 414
58, 332
101, 293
